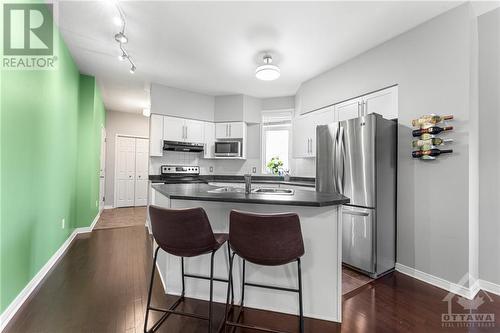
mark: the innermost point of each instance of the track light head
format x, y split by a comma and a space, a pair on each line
132, 69
121, 38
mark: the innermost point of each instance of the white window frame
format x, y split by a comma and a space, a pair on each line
277, 127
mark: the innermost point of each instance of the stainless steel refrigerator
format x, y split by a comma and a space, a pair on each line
358, 158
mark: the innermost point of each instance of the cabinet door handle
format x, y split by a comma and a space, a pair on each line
186, 132
229, 129
365, 108
359, 109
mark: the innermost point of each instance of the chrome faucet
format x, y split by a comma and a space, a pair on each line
248, 183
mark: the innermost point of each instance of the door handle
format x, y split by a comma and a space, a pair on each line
341, 151
356, 213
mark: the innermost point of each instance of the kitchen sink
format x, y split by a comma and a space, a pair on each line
227, 190
270, 190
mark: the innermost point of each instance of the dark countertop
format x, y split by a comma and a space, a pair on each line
299, 198
294, 181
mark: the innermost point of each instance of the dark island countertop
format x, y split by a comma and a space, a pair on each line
299, 198
293, 181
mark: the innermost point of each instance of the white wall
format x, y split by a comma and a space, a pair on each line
432, 64
278, 103
181, 103
120, 123
489, 146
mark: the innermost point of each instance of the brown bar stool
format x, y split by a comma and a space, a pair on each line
183, 233
268, 240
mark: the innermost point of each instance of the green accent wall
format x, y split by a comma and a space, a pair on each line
50, 136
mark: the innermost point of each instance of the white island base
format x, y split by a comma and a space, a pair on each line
321, 264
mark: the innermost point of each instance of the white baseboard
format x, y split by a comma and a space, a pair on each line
16, 304
468, 293
490, 287
109, 206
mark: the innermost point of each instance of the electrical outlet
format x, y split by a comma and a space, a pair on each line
63, 223
254, 170
211, 169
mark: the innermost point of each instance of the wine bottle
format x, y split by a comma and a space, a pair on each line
430, 142
430, 152
429, 119
431, 130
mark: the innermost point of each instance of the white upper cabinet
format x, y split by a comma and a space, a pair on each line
350, 109
156, 135
173, 129
209, 133
304, 131
194, 131
234, 130
179, 129
383, 102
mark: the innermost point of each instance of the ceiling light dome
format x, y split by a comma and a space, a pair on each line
267, 72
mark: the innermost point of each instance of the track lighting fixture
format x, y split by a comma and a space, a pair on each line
121, 38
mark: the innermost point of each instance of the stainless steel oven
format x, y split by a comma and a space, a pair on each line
228, 149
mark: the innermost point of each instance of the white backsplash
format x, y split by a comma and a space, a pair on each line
305, 167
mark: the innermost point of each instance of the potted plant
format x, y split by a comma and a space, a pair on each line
275, 165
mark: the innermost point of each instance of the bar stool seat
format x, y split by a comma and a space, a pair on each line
267, 240
183, 233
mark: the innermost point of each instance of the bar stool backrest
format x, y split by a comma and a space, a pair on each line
182, 232
270, 240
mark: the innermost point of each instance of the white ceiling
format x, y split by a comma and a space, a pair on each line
214, 47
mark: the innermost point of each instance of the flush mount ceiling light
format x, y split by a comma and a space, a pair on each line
267, 72
121, 38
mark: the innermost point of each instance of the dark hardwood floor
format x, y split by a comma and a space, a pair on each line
100, 285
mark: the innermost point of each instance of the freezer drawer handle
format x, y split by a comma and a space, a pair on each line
351, 212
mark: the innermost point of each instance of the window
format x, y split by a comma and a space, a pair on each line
276, 132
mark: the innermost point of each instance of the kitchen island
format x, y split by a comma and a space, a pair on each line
320, 218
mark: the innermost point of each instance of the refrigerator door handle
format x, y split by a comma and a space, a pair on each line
341, 160
354, 212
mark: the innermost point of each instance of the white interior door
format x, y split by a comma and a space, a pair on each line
141, 172
125, 171
102, 171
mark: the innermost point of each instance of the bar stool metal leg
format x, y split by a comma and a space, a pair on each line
301, 309
211, 292
150, 289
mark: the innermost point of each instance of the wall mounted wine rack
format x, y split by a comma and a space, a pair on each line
425, 134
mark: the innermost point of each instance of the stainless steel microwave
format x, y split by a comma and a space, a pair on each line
228, 148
